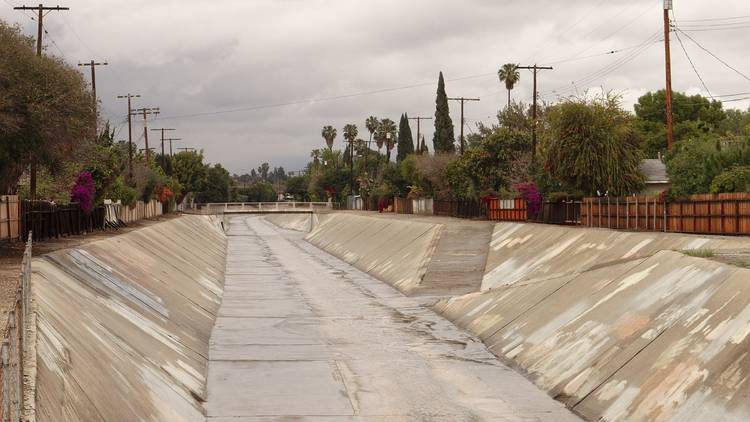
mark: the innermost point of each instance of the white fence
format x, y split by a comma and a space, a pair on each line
117, 214
17, 393
260, 207
422, 206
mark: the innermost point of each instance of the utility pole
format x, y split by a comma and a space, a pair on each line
93, 65
130, 134
40, 31
419, 120
668, 65
163, 157
462, 100
171, 154
145, 112
536, 70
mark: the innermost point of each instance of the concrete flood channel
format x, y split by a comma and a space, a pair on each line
350, 316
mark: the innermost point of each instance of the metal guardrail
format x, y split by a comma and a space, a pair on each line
221, 208
15, 344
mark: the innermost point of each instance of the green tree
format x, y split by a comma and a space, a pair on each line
736, 179
218, 185
45, 109
405, 140
190, 172
593, 147
508, 74
297, 187
693, 116
263, 171
387, 135
371, 124
329, 134
444, 137
485, 167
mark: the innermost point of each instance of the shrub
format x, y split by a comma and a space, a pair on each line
83, 191
529, 192
736, 179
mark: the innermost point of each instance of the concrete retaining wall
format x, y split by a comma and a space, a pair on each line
417, 255
395, 251
298, 222
124, 324
617, 325
528, 252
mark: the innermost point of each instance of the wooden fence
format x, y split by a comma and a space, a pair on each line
402, 206
17, 399
560, 212
727, 214
48, 220
507, 210
10, 222
460, 209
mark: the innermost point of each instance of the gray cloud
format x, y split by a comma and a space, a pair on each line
200, 56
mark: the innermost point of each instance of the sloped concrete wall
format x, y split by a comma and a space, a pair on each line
124, 324
298, 222
528, 252
663, 337
395, 251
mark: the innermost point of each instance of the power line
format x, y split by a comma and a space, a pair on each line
714, 55
322, 99
617, 31
684, 50
608, 69
715, 19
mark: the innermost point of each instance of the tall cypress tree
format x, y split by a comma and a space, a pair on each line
444, 137
405, 139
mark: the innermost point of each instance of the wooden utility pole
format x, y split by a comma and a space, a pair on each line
93, 65
462, 100
419, 120
145, 112
535, 70
40, 31
171, 154
163, 157
130, 134
668, 63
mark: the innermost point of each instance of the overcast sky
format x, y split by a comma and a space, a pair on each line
221, 70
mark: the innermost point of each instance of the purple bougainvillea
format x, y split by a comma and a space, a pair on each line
83, 191
533, 199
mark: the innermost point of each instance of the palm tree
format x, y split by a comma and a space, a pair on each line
371, 124
329, 134
350, 134
387, 131
509, 74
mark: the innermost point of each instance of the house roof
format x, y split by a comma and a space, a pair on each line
654, 170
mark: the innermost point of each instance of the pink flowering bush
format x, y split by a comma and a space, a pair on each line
83, 191
529, 192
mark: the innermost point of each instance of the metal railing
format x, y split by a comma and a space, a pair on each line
15, 346
223, 207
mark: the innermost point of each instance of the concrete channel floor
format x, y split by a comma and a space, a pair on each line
304, 336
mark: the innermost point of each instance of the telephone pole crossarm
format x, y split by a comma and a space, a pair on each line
40, 32
462, 100
419, 120
535, 69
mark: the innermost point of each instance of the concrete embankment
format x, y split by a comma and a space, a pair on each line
419, 256
123, 324
618, 326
